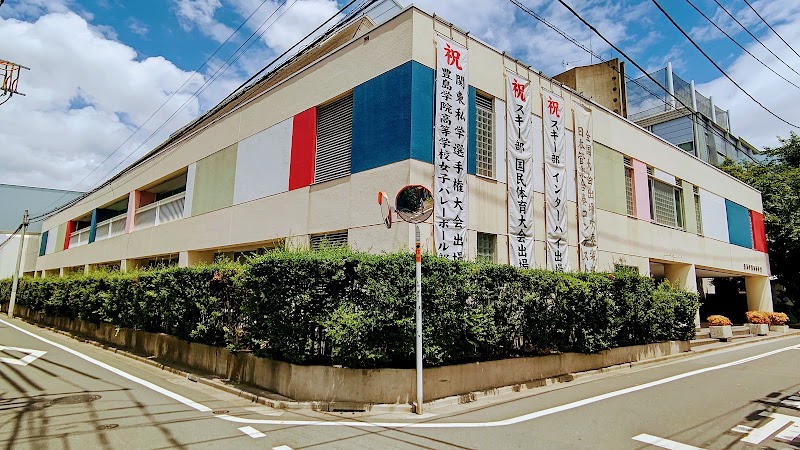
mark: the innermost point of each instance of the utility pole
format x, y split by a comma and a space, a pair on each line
19, 263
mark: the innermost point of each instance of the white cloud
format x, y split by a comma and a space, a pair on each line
138, 27
749, 120
85, 94
200, 14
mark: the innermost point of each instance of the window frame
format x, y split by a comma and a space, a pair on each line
489, 153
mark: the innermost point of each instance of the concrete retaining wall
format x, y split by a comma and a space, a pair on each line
336, 384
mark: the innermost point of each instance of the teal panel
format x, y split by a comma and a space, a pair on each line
740, 231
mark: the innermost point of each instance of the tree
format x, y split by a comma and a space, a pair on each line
778, 179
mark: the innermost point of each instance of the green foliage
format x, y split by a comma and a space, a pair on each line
336, 306
778, 179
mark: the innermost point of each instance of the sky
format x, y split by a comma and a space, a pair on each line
111, 79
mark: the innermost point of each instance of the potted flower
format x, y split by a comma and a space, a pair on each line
758, 322
778, 321
720, 327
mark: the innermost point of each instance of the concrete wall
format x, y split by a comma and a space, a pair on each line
333, 384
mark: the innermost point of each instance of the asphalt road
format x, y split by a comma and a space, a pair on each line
56, 392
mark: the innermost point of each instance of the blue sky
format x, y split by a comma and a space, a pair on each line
100, 68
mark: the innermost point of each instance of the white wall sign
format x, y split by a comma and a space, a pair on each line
587, 215
519, 140
555, 172
450, 148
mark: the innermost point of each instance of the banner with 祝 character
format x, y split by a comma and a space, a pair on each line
555, 183
587, 215
450, 148
519, 141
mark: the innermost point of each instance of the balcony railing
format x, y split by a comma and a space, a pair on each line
78, 238
110, 228
160, 212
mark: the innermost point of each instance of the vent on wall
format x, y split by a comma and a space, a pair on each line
336, 239
627, 161
334, 140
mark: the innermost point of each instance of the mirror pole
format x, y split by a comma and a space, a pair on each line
418, 257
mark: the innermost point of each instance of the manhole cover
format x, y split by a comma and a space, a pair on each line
108, 426
74, 399
220, 411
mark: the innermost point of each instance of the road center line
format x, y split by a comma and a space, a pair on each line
499, 423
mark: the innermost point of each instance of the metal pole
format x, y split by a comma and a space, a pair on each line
19, 263
418, 256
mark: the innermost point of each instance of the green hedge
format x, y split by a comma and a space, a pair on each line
342, 307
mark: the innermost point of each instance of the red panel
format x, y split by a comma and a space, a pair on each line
70, 229
759, 234
304, 148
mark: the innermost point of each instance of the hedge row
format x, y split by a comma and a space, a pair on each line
341, 307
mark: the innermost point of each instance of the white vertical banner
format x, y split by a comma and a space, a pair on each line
555, 183
587, 215
450, 148
519, 141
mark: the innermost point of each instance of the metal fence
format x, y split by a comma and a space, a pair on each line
647, 98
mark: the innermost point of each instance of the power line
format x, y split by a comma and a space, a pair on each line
10, 237
182, 132
773, 29
215, 76
738, 44
163, 104
624, 55
754, 36
717, 65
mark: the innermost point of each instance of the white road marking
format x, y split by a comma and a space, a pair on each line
499, 423
25, 360
112, 369
778, 422
663, 443
282, 447
744, 429
252, 432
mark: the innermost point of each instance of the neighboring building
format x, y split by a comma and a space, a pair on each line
299, 157
701, 128
13, 202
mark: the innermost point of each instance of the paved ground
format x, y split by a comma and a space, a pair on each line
76, 395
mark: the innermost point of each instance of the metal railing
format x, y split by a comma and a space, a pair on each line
78, 238
110, 228
160, 212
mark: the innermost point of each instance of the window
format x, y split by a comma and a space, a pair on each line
697, 210
486, 247
337, 239
688, 147
334, 140
630, 201
485, 136
666, 204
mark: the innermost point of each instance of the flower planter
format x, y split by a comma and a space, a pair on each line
779, 328
723, 333
760, 329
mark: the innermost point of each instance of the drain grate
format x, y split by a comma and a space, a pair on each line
220, 411
108, 426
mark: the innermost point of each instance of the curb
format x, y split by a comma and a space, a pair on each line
469, 397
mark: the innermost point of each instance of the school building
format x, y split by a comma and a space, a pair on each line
299, 156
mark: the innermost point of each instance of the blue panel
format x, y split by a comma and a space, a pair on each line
472, 138
382, 120
93, 227
422, 112
740, 230
43, 244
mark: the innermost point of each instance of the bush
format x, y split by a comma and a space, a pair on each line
778, 318
336, 306
758, 317
718, 321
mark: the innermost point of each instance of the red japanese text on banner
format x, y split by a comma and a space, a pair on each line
519, 141
587, 215
450, 148
555, 183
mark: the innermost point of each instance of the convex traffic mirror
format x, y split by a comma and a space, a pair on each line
414, 203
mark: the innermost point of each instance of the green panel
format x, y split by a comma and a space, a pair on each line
689, 216
213, 182
62, 234
609, 175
